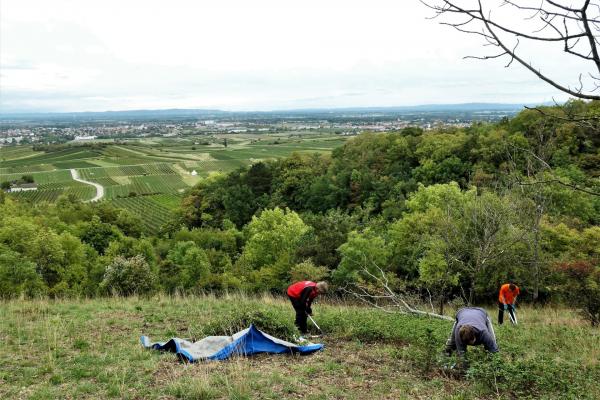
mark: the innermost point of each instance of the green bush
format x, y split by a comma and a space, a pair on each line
307, 270
580, 284
270, 320
370, 325
126, 276
528, 378
18, 277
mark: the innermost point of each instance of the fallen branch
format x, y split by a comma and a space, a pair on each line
394, 302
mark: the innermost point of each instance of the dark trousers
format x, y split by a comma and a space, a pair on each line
301, 315
511, 310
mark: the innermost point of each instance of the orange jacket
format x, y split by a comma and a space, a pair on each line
507, 296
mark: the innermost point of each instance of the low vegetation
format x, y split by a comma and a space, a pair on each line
91, 349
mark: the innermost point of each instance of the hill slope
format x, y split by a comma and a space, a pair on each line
90, 349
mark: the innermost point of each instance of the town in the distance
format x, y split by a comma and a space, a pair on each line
52, 128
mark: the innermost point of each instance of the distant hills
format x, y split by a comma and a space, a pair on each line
176, 113
425, 108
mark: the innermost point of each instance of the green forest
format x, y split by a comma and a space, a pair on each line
447, 214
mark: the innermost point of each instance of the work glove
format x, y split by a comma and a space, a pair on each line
506, 307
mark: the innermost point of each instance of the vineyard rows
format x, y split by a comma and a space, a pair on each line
129, 170
40, 177
204, 167
83, 192
147, 185
25, 169
62, 158
171, 201
148, 208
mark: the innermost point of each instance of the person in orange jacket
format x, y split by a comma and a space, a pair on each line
506, 301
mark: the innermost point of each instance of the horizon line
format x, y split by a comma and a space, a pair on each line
275, 110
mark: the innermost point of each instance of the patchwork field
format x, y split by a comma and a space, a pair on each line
88, 349
51, 185
139, 174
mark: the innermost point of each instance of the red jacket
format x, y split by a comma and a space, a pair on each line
295, 290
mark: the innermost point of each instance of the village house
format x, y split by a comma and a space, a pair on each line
23, 187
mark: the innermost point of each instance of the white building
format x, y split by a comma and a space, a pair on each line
25, 187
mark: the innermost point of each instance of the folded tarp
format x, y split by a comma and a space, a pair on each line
244, 343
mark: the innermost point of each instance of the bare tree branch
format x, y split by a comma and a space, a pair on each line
578, 22
381, 291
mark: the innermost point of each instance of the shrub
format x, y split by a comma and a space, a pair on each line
27, 178
191, 265
307, 270
269, 320
128, 276
526, 377
18, 277
580, 284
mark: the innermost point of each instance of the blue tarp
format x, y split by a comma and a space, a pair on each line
246, 342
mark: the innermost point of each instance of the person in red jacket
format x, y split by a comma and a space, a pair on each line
301, 295
506, 301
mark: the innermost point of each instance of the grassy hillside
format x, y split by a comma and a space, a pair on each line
90, 349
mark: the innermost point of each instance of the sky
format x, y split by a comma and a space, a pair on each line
62, 55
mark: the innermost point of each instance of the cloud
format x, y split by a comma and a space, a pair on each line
69, 55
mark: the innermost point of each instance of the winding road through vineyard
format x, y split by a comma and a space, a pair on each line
99, 188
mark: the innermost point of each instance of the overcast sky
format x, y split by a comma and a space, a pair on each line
93, 55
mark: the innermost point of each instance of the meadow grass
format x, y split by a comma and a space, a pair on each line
90, 348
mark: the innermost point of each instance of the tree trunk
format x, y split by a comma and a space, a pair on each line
536, 252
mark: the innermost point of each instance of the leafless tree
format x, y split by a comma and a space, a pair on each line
531, 186
506, 25
380, 294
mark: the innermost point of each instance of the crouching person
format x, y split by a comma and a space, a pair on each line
472, 327
301, 295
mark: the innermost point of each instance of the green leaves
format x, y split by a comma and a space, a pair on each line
272, 242
363, 255
18, 277
192, 265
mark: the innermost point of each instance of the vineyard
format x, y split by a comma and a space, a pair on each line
204, 168
154, 211
76, 157
126, 181
80, 191
146, 176
144, 185
128, 170
41, 178
51, 185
